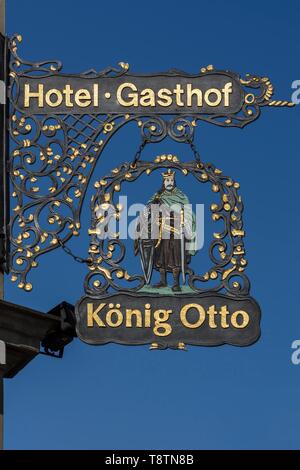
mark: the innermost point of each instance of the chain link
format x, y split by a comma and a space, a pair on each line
139, 151
188, 141
69, 252
194, 150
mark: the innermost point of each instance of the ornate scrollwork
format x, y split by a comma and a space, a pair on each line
181, 129
153, 129
226, 251
53, 156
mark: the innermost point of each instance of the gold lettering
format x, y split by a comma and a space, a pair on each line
147, 315
83, 98
128, 95
133, 96
59, 98
110, 313
178, 92
138, 318
31, 94
193, 91
164, 97
161, 317
68, 92
216, 92
224, 312
245, 321
96, 94
93, 315
211, 312
227, 90
183, 315
147, 97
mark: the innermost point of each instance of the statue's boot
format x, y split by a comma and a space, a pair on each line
176, 286
163, 279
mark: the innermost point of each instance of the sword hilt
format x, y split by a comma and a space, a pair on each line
182, 216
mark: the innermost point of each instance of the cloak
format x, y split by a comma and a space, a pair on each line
175, 200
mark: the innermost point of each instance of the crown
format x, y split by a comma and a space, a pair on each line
169, 174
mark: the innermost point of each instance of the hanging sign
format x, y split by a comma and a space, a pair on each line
167, 302
168, 321
59, 125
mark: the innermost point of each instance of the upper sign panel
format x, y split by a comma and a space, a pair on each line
211, 93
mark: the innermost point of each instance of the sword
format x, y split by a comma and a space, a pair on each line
182, 245
146, 266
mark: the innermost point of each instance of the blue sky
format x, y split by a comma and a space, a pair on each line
209, 398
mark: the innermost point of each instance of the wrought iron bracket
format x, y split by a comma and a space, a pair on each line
56, 340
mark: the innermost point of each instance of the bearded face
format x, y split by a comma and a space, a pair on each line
169, 183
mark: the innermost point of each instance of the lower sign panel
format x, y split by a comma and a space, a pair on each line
168, 321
